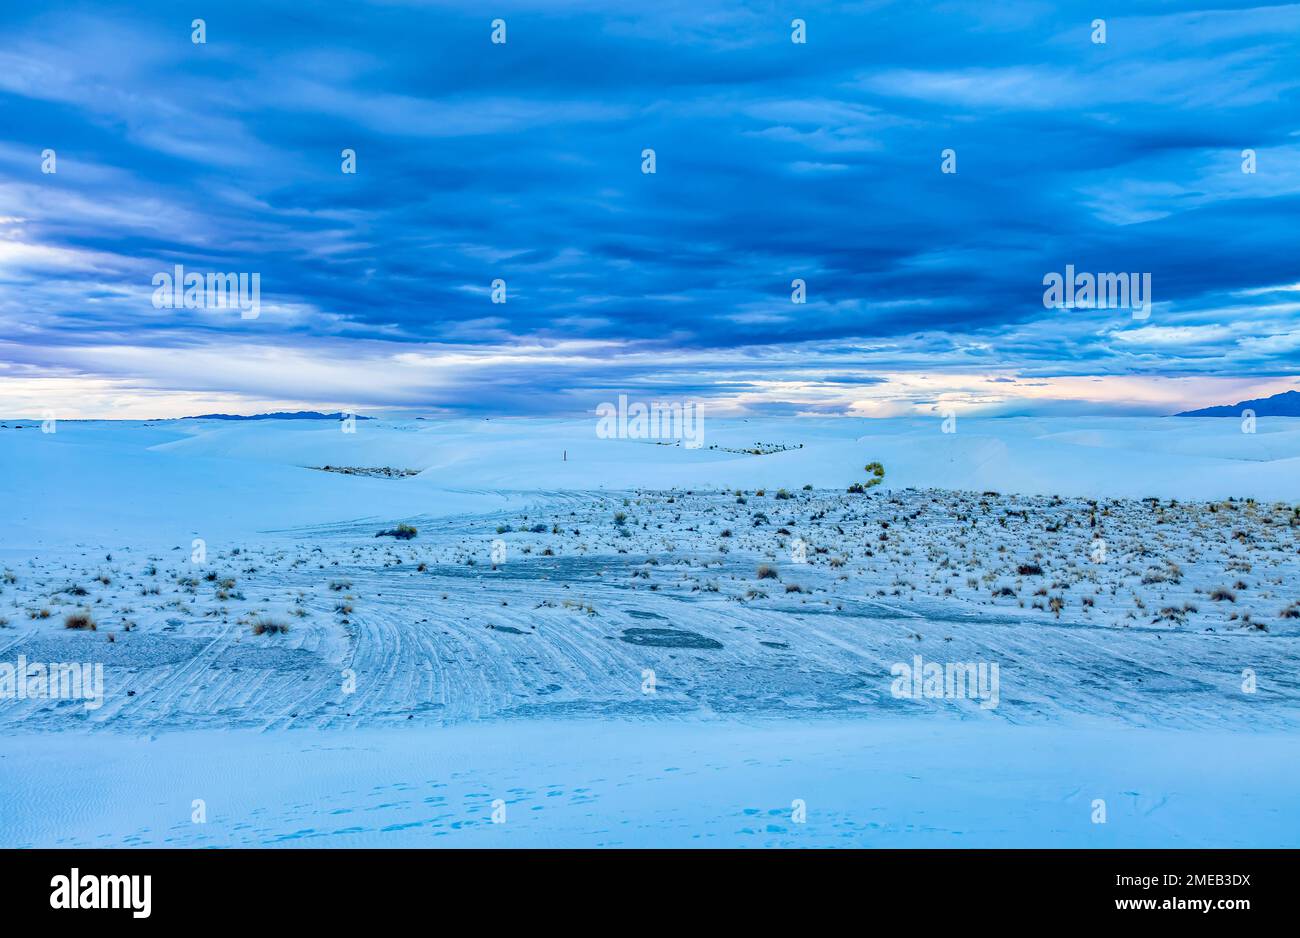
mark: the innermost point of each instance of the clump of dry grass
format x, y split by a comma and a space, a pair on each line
767, 572
266, 626
80, 620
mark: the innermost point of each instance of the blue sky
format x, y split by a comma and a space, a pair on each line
522, 161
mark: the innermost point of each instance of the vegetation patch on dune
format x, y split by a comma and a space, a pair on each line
373, 472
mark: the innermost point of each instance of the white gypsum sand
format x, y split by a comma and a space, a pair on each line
1134, 581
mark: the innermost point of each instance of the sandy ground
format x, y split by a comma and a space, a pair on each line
640, 666
863, 783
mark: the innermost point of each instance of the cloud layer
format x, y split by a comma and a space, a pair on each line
522, 162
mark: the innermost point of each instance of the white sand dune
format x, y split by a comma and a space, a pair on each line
1121, 680
105, 481
624, 783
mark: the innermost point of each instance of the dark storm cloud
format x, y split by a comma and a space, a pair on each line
776, 161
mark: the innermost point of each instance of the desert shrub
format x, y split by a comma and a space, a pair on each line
339, 586
403, 532
766, 572
81, 621
1029, 569
620, 517
783, 495
1172, 573
1221, 594
265, 626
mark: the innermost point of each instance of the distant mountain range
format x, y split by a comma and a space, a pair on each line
277, 415
1286, 404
